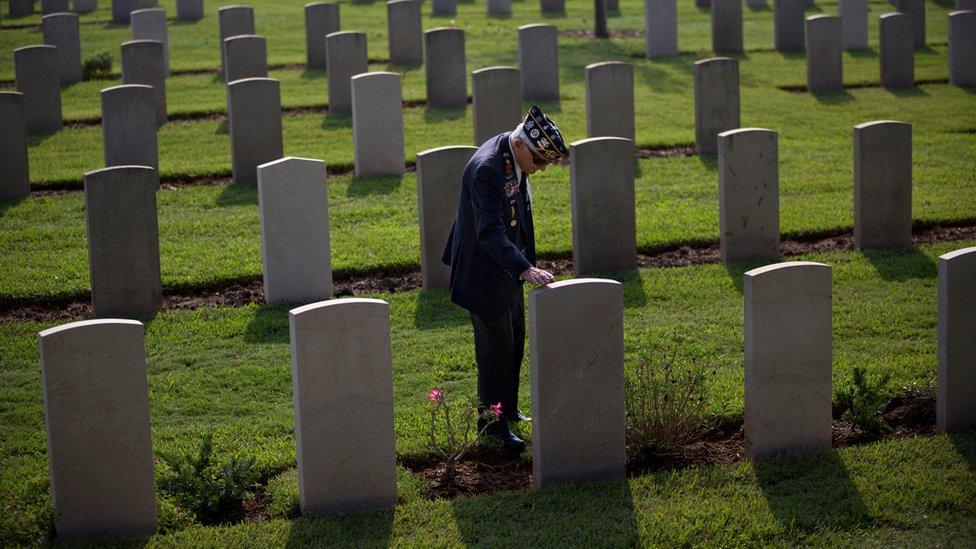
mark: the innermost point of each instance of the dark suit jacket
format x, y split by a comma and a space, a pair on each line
492, 208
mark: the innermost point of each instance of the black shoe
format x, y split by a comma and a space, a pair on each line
500, 432
517, 417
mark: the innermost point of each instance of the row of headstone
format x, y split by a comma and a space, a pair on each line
95, 382
962, 47
788, 354
748, 179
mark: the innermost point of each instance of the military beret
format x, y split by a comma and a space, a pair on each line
542, 136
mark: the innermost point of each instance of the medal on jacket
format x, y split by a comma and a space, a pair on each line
514, 222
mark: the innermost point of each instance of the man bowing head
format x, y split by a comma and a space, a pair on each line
491, 251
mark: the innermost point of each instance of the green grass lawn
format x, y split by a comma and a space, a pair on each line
227, 371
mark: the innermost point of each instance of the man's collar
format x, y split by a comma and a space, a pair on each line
511, 147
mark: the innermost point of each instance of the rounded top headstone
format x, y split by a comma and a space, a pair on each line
784, 267
336, 305
78, 328
969, 253
732, 133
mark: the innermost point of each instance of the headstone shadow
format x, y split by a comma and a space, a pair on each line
914, 91
554, 14
435, 310
270, 324
10, 203
833, 98
34, 139
736, 269
965, 444
866, 53
760, 8
241, 194
599, 514
434, 114
811, 494
223, 128
336, 121
900, 264
366, 186
361, 529
312, 74
634, 294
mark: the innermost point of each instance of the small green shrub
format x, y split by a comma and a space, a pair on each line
283, 490
863, 401
212, 492
665, 402
98, 65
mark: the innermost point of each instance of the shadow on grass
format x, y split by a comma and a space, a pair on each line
223, 128
10, 203
965, 444
833, 98
866, 53
914, 91
36, 138
336, 121
366, 186
583, 515
435, 310
270, 324
435, 115
312, 74
241, 194
812, 493
737, 269
902, 263
760, 8
365, 529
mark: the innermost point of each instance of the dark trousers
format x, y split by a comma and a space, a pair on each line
499, 345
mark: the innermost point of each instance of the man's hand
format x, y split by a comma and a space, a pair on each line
537, 276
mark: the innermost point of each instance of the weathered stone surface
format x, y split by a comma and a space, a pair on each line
254, 110
85, 6
446, 69
897, 53
123, 241
377, 124
788, 24
96, 411
142, 63
727, 26
20, 8
825, 67
189, 10
882, 184
245, 56
915, 8
716, 101
854, 24
539, 62
234, 20
321, 18
15, 175
552, 6
577, 361
438, 184
788, 352
61, 31
36, 69
53, 6
443, 7
601, 184
404, 32
661, 26
956, 394
129, 126
346, 54
342, 389
610, 100
962, 47
294, 205
150, 24
748, 194
498, 7
495, 101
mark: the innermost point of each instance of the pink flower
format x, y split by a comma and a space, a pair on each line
435, 395
496, 409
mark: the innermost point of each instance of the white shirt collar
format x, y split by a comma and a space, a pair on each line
511, 145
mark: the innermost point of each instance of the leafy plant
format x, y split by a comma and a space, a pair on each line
456, 440
863, 401
211, 491
98, 65
665, 401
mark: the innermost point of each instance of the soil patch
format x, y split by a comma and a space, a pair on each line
861, 85
251, 290
910, 413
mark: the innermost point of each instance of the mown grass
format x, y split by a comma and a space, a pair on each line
227, 371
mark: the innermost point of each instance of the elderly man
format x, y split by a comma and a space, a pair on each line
491, 251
